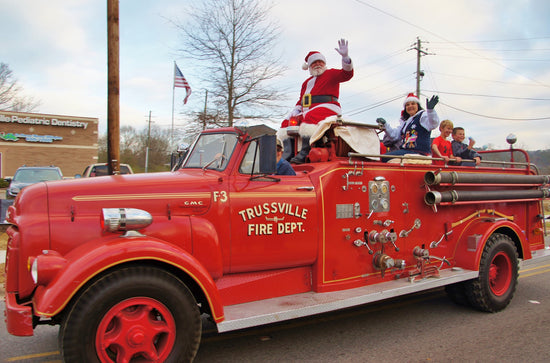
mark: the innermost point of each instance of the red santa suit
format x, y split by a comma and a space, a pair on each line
327, 86
319, 94
318, 100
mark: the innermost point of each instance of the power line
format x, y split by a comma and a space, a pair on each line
504, 59
501, 50
396, 17
363, 2
494, 117
500, 40
387, 56
374, 105
481, 79
491, 96
434, 80
385, 70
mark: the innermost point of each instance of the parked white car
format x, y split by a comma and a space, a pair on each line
102, 169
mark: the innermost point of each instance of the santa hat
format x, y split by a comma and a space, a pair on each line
312, 57
411, 98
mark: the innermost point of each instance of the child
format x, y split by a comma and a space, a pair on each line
441, 147
463, 150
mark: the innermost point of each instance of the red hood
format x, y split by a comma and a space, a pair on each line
185, 192
74, 207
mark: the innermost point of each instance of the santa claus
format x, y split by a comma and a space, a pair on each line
318, 98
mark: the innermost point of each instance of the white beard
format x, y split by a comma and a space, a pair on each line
317, 71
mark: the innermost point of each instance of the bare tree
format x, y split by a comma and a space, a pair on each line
233, 41
158, 140
10, 93
188, 131
133, 144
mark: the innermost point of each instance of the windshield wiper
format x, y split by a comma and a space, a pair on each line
218, 157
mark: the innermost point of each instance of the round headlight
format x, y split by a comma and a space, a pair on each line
34, 269
45, 267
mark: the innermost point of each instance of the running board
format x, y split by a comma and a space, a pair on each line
536, 257
282, 308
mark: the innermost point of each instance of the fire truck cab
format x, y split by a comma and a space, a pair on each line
126, 264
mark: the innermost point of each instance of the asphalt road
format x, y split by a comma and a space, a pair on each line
425, 327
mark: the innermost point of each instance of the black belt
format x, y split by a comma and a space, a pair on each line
308, 100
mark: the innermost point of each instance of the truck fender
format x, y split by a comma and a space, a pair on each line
90, 259
473, 238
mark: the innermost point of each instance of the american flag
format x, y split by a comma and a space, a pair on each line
180, 81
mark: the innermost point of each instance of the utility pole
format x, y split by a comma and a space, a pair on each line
419, 53
204, 114
113, 107
147, 149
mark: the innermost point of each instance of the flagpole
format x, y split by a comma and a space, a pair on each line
179, 81
173, 93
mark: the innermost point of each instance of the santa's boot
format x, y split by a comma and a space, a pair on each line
288, 148
301, 157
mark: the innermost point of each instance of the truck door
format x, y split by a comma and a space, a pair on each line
273, 219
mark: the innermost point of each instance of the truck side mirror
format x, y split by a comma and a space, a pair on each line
268, 154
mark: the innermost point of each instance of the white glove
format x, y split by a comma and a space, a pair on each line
295, 112
342, 48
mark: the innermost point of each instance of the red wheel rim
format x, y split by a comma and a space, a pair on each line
500, 274
138, 329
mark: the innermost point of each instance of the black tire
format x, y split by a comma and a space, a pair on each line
493, 290
457, 293
146, 311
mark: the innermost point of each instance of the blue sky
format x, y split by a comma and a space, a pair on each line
489, 60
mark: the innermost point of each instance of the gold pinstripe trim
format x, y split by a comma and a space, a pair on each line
478, 215
90, 198
323, 223
216, 318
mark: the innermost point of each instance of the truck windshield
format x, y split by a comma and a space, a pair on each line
211, 151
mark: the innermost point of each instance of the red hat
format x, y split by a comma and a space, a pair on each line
312, 57
411, 98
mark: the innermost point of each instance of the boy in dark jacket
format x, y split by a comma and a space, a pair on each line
462, 150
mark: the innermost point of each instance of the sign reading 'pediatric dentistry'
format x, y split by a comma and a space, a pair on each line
46, 139
42, 121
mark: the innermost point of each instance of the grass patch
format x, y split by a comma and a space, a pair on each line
3, 241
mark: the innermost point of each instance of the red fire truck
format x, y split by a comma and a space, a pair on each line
126, 264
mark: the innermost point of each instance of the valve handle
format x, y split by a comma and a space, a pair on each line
360, 243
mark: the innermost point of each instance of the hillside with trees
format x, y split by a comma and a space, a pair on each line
541, 158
